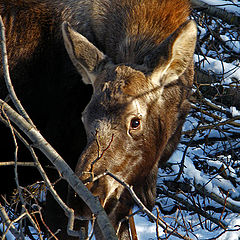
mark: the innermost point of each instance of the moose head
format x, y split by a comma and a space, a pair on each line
134, 119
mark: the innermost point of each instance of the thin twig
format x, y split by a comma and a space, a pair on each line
7, 78
5, 220
184, 155
157, 231
212, 10
24, 164
65, 170
132, 226
16, 169
216, 198
144, 209
33, 223
193, 208
103, 151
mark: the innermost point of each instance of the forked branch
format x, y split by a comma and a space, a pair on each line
23, 121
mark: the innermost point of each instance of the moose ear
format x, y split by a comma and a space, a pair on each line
84, 55
174, 55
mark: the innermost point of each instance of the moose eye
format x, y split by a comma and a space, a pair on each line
135, 123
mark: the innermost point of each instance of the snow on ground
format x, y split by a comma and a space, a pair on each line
234, 111
229, 71
195, 176
147, 230
232, 43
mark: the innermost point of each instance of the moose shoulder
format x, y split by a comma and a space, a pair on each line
142, 78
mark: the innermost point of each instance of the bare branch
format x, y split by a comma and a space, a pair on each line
228, 17
193, 208
8, 82
161, 223
24, 164
5, 220
40, 143
216, 198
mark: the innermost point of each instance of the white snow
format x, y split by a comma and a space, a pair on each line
9, 235
145, 229
226, 5
232, 43
234, 111
234, 224
228, 70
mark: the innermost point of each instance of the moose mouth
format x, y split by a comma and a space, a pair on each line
105, 188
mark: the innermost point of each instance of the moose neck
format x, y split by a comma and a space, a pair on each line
116, 28
128, 38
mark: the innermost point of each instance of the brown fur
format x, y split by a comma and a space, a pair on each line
139, 29
49, 88
141, 45
158, 19
132, 44
31, 24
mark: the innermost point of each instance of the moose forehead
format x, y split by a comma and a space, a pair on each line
117, 90
122, 84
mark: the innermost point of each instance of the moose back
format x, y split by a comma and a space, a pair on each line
138, 57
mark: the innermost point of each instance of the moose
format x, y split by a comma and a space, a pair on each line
138, 57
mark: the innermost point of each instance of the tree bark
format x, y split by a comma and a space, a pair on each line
67, 173
214, 11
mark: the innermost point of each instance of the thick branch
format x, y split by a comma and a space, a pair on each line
5, 220
228, 17
218, 199
67, 173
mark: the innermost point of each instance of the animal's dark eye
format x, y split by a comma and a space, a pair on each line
135, 123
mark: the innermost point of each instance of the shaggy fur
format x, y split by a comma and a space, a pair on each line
134, 40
